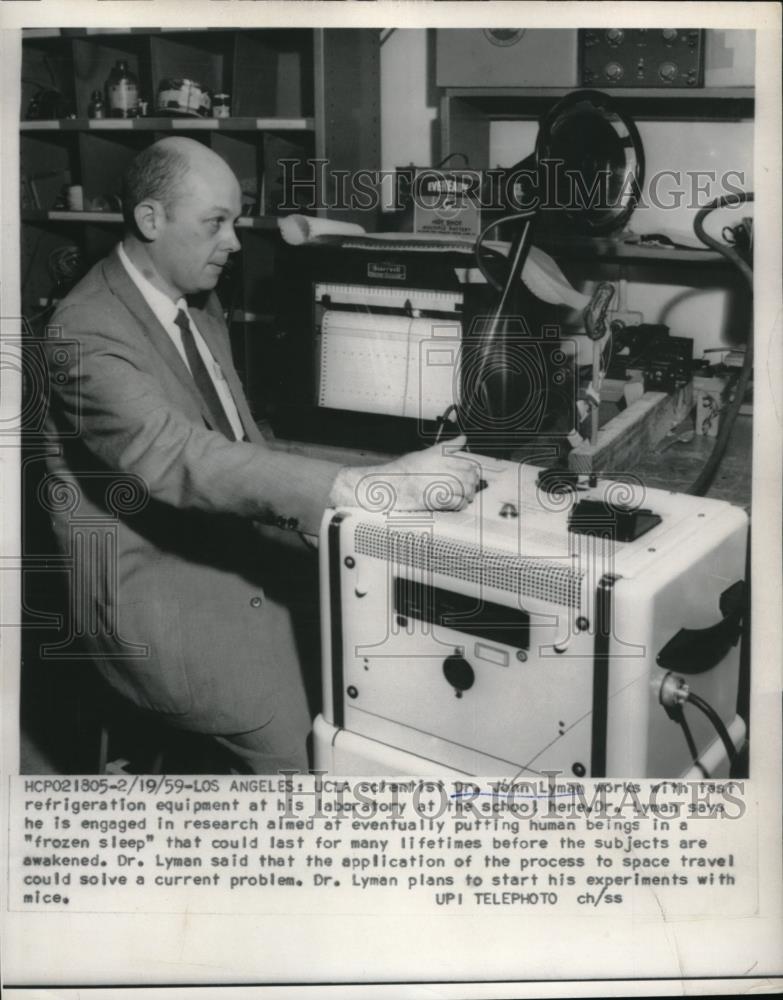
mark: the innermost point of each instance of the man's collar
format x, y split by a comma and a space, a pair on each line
158, 301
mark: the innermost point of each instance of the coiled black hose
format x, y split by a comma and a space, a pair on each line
704, 479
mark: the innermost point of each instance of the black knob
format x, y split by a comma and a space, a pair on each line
458, 672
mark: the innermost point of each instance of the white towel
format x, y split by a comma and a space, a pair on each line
298, 229
540, 274
547, 282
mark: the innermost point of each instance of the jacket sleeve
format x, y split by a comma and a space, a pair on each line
111, 398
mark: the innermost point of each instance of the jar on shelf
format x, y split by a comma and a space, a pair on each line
122, 92
221, 106
183, 97
96, 108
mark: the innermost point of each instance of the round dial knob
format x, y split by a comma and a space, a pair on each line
615, 35
613, 71
667, 71
669, 35
458, 672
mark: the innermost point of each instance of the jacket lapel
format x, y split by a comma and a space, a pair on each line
120, 283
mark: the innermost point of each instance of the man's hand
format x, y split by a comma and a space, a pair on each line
433, 479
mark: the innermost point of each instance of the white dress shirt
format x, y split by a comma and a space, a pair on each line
166, 313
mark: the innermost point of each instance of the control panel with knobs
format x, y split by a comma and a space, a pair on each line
641, 57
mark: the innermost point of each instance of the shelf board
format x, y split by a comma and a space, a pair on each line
265, 222
32, 34
669, 93
169, 124
604, 248
574, 247
672, 104
58, 215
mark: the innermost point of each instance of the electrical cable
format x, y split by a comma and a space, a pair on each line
451, 156
442, 419
477, 248
490, 254
717, 722
702, 483
686, 729
606, 350
727, 201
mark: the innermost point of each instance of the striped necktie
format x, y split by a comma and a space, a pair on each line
202, 378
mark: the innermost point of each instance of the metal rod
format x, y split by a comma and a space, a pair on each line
595, 385
494, 334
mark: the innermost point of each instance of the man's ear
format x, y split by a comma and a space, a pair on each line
149, 216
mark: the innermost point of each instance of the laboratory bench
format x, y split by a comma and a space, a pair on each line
672, 465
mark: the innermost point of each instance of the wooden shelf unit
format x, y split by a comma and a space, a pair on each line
169, 124
294, 96
468, 112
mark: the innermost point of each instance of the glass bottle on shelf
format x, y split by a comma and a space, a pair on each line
122, 92
96, 108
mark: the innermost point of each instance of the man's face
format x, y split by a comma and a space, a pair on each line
197, 235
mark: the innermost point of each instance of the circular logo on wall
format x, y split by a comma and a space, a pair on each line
504, 36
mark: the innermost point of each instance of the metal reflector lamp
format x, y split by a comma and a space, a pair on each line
588, 168
595, 154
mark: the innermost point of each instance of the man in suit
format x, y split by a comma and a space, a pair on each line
161, 479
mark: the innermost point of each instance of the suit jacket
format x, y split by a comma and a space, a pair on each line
171, 584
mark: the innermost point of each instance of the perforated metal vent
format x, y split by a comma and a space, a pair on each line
488, 567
